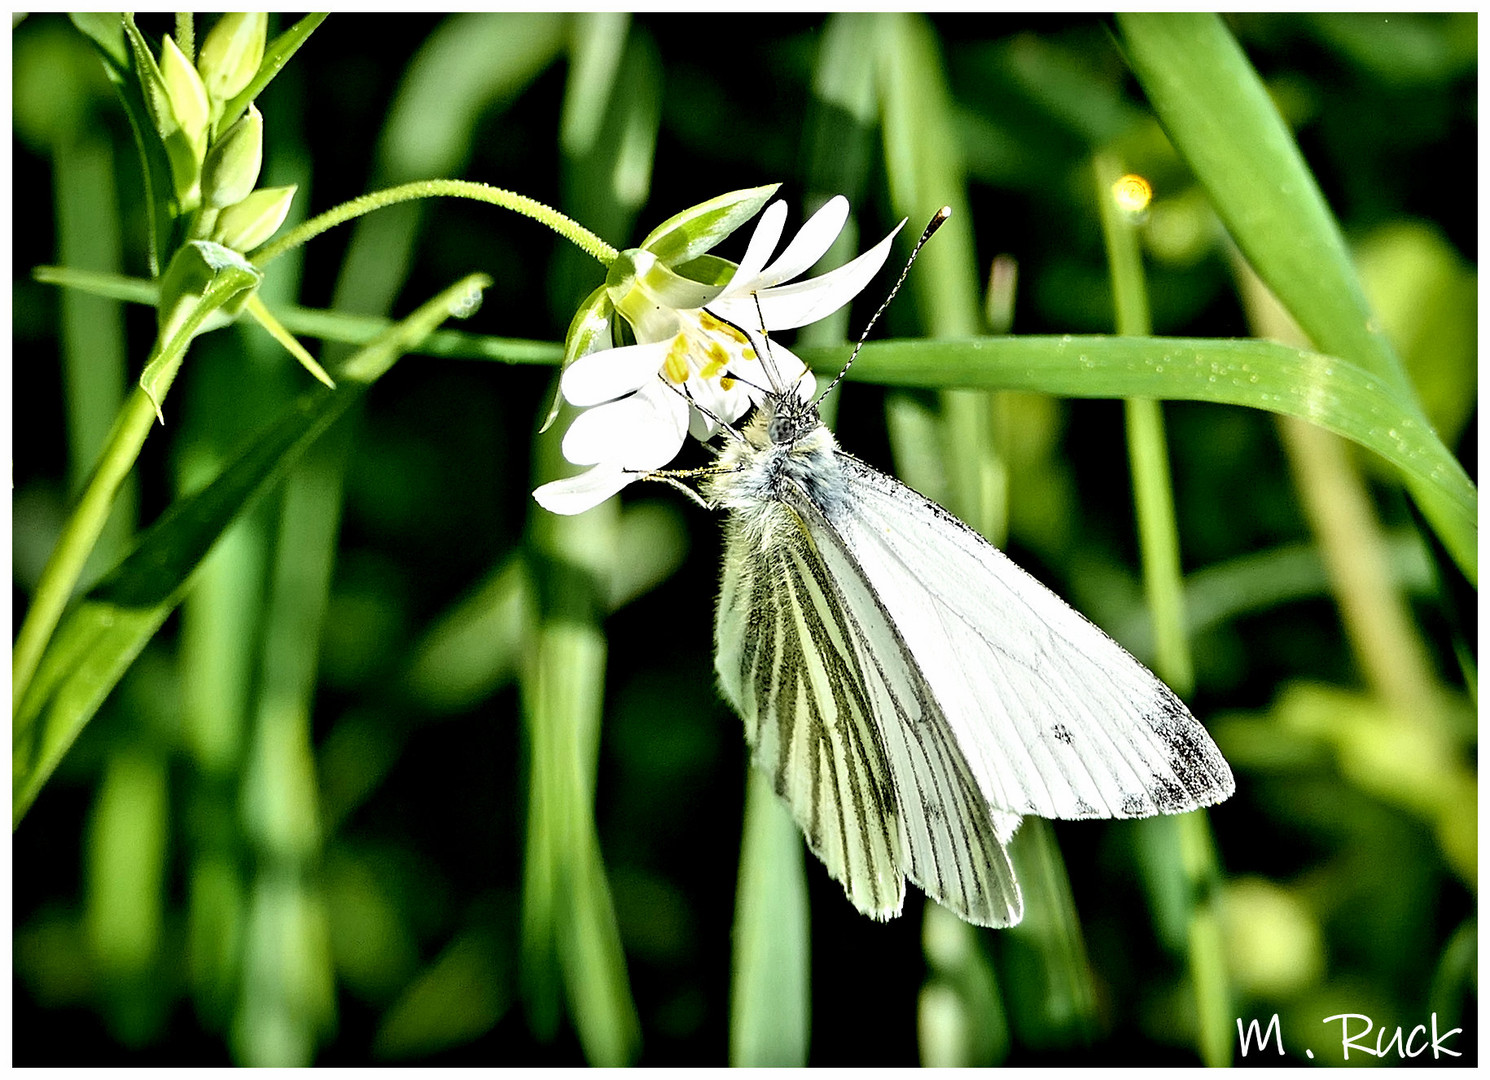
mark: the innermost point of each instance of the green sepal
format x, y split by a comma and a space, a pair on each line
203, 278
589, 331
687, 235
708, 270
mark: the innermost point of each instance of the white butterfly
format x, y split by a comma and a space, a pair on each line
910, 691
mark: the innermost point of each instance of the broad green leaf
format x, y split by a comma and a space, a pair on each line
101, 636
687, 235
1219, 117
1335, 394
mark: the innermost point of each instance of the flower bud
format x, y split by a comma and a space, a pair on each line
247, 224
232, 167
188, 96
231, 54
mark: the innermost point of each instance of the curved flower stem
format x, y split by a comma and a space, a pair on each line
570, 230
77, 539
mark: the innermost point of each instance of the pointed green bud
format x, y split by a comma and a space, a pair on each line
232, 167
247, 224
231, 55
188, 96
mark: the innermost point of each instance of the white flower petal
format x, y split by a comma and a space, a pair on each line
576, 494
788, 306
809, 245
612, 373
643, 431
710, 395
701, 427
762, 242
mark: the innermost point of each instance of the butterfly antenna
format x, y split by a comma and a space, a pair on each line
932, 226
768, 360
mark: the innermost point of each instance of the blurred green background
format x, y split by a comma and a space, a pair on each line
296, 831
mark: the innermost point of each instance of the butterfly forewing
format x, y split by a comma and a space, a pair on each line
794, 602
785, 662
1054, 717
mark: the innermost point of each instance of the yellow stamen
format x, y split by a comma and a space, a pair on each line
726, 383
715, 325
718, 360
675, 367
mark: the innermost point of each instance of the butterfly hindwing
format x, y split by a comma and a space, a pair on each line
1054, 717
954, 839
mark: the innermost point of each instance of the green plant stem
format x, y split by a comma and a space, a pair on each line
186, 38
1148, 450
79, 535
1158, 536
425, 189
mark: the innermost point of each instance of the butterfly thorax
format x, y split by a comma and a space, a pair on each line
784, 446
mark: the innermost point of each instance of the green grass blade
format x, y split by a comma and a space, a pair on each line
770, 1000
103, 634
1219, 116
1334, 394
1153, 496
1050, 996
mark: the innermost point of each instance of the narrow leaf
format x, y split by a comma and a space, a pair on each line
1334, 394
276, 54
1217, 112
102, 635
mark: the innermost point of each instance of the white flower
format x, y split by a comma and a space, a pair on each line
696, 361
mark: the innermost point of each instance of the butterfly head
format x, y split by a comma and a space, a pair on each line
788, 418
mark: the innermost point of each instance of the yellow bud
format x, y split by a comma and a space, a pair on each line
188, 96
247, 224
231, 55
232, 167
